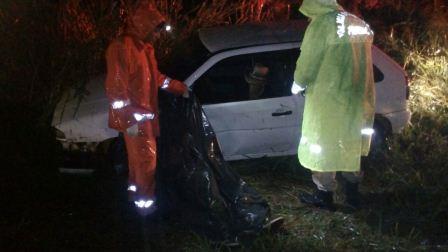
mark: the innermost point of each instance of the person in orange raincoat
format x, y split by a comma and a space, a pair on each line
132, 85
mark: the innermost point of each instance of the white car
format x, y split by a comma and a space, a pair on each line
246, 125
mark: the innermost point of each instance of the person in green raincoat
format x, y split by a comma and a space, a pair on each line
335, 69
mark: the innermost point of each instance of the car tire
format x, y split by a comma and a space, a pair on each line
382, 134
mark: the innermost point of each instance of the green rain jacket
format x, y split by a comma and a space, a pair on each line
335, 66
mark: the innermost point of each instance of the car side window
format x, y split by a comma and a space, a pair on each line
248, 77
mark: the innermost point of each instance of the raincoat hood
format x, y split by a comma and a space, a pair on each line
314, 8
143, 19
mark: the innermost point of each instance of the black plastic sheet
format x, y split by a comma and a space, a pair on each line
196, 184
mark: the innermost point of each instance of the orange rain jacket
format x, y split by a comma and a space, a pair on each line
133, 77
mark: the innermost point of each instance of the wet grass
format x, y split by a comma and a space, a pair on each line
72, 213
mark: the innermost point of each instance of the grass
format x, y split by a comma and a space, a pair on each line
79, 213
411, 174
391, 220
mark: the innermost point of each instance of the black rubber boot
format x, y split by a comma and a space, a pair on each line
320, 199
352, 197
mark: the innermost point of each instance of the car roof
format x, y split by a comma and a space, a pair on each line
252, 34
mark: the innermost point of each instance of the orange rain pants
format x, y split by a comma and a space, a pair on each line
133, 80
142, 158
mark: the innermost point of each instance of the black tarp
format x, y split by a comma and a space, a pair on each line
195, 184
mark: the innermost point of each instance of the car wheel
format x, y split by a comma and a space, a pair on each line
380, 138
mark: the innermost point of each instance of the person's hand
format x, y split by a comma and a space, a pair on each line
133, 130
186, 94
296, 88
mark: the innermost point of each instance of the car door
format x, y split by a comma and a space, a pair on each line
247, 98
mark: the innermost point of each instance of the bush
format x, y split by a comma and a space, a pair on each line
412, 174
419, 37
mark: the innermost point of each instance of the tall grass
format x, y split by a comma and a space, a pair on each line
412, 175
46, 47
416, 34
208, 13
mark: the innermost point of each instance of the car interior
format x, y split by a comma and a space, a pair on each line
248, 77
